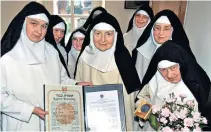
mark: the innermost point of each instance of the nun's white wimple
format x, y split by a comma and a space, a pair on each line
40, 16
78, 34
60, 25
165, 64
163, 19
142, 12
103, 26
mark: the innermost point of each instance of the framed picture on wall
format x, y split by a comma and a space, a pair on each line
134, 4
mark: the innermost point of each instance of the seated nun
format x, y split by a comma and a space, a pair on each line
105, 60
73, 49
56, 35
95, 12
165, 26
173, 70
137, 24
27, 63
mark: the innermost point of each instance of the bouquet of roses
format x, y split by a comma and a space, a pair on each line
176, 115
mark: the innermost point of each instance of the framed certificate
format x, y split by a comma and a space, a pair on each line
129, 4
104, 108
65, 107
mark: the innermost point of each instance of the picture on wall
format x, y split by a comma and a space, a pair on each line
134, 4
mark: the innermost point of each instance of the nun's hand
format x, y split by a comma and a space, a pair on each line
39, 112
85, 84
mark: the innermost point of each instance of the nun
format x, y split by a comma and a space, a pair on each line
173, 70
105, 60
56, 35
137, 24
96, 11
73, 49
165, 26
27, 63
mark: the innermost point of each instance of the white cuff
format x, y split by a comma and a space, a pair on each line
27, 112
73, 82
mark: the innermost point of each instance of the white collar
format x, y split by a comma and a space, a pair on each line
27, 51
161, 88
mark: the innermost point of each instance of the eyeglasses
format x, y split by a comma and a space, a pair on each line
158, 29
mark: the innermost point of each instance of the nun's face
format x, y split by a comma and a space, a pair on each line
58, 34
141, 20
162, 32
171, 74
103, 39
77, 42
36, 29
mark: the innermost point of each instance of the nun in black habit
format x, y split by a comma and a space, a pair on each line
194, 82
105, 60
137, 24
96, 11
56, 36
73, 49
27, 63
13, 32
165, 26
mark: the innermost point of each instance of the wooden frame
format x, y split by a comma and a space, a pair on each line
134, 4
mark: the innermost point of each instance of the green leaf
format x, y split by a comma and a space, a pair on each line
203, 125
153, 122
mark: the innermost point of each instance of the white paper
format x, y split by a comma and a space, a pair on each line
103, 111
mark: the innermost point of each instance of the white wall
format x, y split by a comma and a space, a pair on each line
198, 29
9, 9
116, 8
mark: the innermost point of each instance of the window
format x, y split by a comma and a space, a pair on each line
74, 12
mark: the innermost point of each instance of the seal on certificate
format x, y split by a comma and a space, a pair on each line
65, 113
145, 108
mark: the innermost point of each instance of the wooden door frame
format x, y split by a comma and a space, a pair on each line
182, 9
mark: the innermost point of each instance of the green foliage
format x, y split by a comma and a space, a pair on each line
154, 122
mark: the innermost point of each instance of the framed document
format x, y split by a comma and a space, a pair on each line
143, 110
104, 108
129, 4
65, 107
